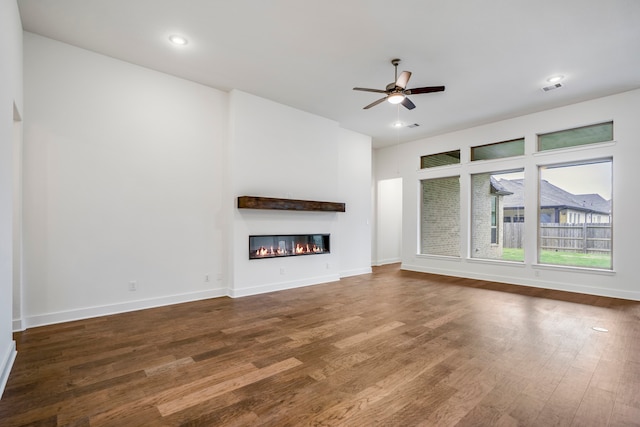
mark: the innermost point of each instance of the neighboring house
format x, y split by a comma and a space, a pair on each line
441, 200
599, 210
487, 216
556, 205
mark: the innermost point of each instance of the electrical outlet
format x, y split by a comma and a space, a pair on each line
282, 271
206, 277
133, 286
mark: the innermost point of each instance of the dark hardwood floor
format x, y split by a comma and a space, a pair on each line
390, 348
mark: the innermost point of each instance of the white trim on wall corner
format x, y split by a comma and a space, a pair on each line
5, 366
106, 310
18, 325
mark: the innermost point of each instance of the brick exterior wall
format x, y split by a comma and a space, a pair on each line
440, 217
481, 246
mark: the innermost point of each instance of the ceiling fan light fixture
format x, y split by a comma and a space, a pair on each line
395, 98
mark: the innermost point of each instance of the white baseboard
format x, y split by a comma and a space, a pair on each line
89, 312
520, 281
6, 363
355, 272
380, 262
105, 310
281, 286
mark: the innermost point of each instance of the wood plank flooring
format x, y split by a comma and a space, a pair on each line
390, 348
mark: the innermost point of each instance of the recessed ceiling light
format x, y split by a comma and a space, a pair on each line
179, 40
555, 79
398, 124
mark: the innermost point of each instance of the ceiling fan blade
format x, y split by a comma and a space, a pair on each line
403, 80
427, 89
369, 90
373, 104
408, 104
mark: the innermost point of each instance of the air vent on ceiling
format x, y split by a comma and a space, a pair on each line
415, 125
552, 87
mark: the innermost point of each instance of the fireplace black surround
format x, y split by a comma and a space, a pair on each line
284, 245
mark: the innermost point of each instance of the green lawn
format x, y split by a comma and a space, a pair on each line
562, 258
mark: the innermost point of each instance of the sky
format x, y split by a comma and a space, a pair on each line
582, 179
576, 179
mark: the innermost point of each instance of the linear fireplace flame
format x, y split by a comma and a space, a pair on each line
272, 246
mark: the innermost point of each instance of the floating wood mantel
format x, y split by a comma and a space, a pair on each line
251, 202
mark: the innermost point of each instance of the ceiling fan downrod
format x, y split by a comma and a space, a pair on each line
395, 63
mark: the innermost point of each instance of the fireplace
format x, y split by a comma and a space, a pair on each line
284, 245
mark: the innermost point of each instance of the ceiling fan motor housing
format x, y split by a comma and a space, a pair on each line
392, 87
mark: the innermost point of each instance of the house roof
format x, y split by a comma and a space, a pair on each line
555, 197
595, 202
498, 188
516, 187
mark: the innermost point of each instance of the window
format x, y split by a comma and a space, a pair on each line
497, 215
578, 136
440, 159
579, 239
494, 220
440, 217
498, 150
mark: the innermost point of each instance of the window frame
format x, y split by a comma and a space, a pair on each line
577, 217
450, 153
421, 224
540, 136
494, 220
472, 154
485, 239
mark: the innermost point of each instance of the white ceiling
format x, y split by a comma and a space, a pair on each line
493, 56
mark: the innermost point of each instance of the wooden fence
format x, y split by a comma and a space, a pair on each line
585, 238
513, 235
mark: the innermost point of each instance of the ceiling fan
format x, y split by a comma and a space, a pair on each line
396, 92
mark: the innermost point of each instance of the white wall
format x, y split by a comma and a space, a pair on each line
622, 109
10, 110
123, 182
389, 221
132, 175
356, 223
278, 151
